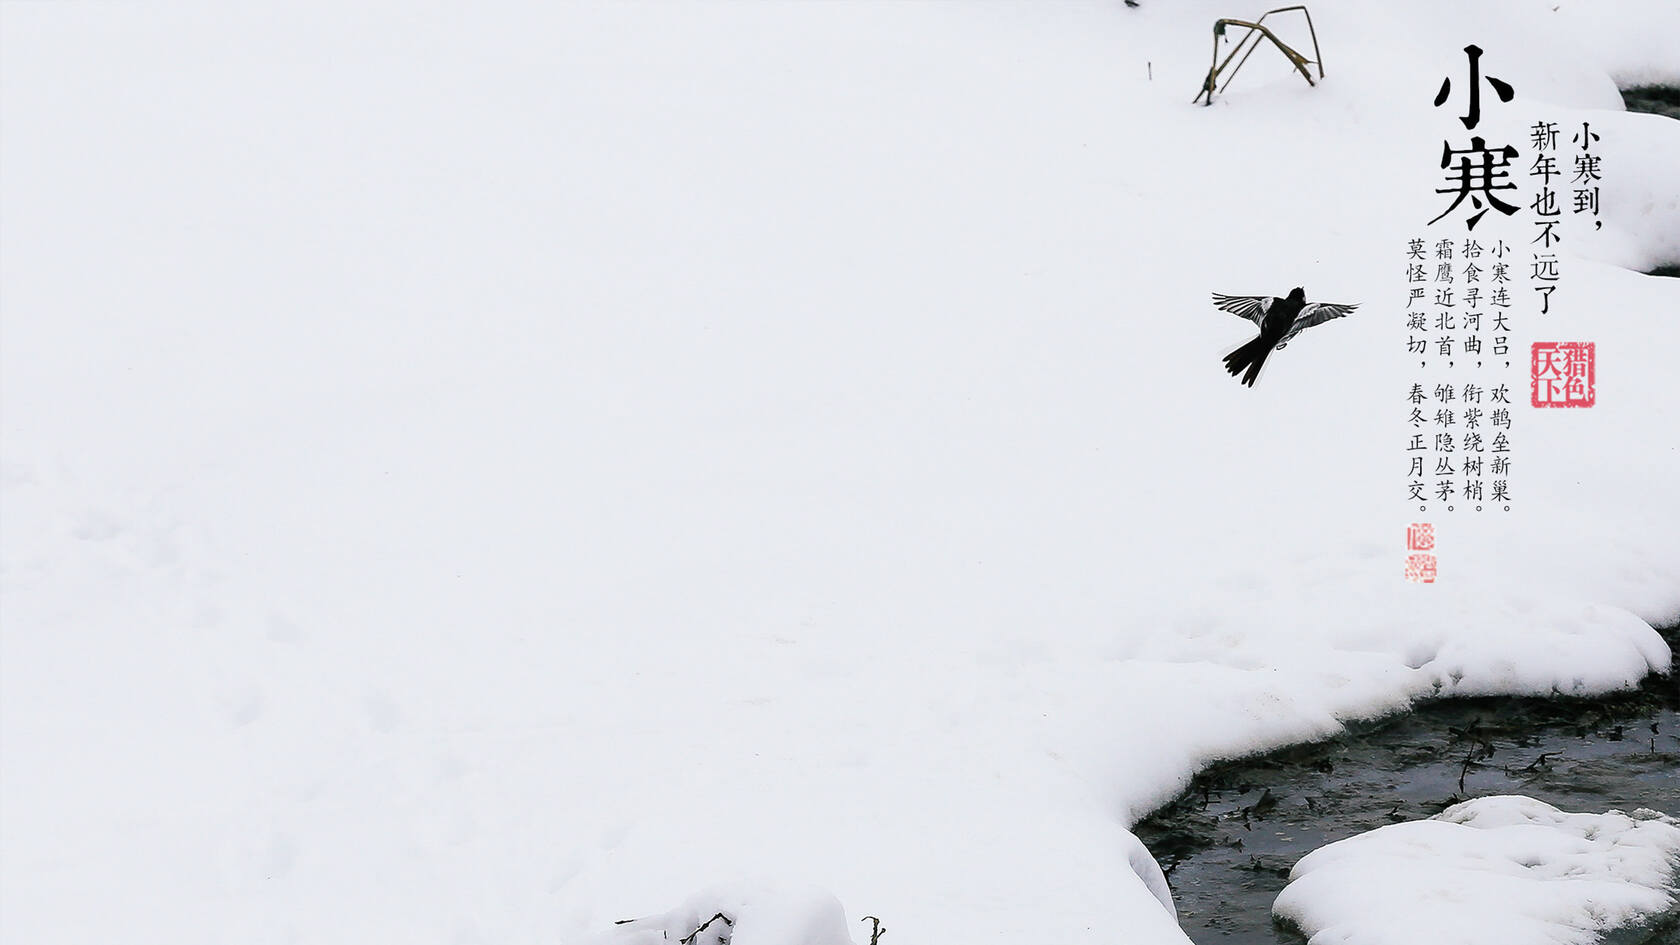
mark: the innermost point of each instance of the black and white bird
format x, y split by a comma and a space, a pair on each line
1279, 321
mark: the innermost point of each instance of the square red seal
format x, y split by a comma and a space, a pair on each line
1420, 569
1420, 536
1563, 374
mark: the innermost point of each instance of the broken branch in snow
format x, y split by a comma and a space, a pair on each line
689, 940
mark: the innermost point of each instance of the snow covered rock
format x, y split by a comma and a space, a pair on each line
1503, 869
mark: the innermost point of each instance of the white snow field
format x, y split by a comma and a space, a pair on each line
479, 473
1503, 870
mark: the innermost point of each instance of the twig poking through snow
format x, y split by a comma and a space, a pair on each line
689, 940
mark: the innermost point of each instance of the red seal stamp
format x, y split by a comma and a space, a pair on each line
1563, 374
1420, 536
1420, 569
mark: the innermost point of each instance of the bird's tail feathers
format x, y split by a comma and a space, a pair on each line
1250, 356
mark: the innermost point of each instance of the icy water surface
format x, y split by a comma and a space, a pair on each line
1228, 843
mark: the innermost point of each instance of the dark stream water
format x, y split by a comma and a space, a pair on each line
1657, 100
1228, 843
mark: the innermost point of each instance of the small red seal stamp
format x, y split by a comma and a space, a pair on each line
1420, 569
1563, 374
1420, 536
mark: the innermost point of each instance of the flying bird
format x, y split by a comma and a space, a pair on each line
1279, 321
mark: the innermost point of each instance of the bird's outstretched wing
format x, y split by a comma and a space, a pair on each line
1316, 313
1251, 307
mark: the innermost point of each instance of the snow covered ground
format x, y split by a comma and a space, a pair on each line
1494, 870
479, 474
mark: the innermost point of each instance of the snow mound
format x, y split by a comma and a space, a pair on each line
738, 915
1503, 869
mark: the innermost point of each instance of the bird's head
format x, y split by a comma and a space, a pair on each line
1297, 294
